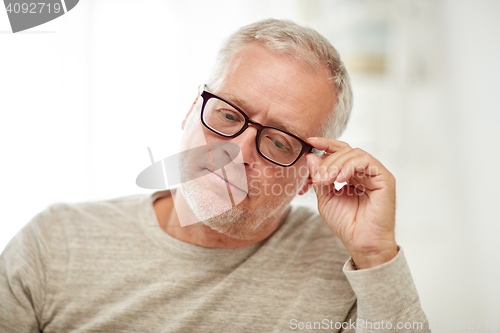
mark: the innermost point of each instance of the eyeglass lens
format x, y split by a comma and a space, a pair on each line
274, 144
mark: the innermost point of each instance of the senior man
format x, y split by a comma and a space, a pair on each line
279, 93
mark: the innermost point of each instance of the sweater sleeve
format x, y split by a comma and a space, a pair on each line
387, 299
23, 278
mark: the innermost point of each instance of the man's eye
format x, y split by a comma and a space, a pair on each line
228, 115
278, 144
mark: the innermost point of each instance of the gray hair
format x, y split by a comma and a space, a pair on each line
303, 43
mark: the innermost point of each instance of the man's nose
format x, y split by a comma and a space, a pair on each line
246, 142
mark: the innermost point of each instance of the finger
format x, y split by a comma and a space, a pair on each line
328, 145
313, 163
327, 172
330, 167
352, 167
355, 163
362, 169
359, 187
356, 160
324, 192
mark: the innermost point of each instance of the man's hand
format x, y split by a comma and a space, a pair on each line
362, 213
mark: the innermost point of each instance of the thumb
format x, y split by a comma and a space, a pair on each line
313, 163
322, 190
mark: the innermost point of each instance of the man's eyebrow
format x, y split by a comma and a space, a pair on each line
235, 100
241, 104
290, 130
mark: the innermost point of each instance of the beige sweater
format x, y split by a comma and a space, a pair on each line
108, 267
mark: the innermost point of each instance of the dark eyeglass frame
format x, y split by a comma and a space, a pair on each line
306, 148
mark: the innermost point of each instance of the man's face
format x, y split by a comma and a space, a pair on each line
275, 90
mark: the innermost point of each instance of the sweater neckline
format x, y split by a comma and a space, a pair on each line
160, 238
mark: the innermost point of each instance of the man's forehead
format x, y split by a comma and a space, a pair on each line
258, 79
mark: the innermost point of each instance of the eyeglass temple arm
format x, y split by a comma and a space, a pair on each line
317, 152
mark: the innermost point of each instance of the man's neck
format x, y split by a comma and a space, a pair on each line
199, 233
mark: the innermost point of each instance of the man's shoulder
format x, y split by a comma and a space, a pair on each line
71, 217
104, 208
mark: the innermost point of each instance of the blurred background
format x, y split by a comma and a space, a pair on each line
83, 96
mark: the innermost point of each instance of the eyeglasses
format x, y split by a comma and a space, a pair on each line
274, 144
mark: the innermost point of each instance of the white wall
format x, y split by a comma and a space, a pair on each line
83, 96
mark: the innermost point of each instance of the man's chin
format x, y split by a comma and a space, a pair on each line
206, 204
231, 223
238, 222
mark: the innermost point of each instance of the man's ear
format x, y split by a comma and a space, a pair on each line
190, 110
306, 186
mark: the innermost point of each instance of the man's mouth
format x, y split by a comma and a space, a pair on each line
220, 178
